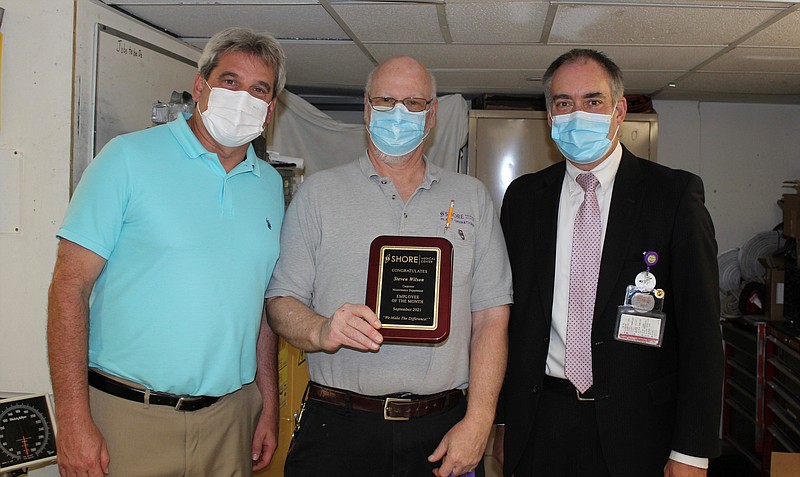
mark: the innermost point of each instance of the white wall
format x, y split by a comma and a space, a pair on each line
36, 123
742, 151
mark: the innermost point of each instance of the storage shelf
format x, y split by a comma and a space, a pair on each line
743, 409
781, 391
781, 366
784, 418
783, 439
745, 451
780, 344
738, 367
740, 409
741, 387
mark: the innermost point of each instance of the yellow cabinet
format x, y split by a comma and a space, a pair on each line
292, 380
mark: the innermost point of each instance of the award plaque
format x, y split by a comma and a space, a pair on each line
409, 286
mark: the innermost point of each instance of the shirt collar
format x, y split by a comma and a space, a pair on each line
194, 149
604, 172
432, 172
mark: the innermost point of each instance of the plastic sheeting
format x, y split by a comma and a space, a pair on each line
301, 130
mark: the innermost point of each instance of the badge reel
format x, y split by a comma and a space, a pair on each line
640, 319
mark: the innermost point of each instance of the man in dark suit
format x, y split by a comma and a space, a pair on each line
615, 355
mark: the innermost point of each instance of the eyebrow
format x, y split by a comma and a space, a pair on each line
585, 96
594, 95
232, 75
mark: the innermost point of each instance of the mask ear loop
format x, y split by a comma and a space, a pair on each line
428, 130
197, 103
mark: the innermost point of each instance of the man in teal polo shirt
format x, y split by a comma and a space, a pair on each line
167, 247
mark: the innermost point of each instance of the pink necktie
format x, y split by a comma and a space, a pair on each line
584, 270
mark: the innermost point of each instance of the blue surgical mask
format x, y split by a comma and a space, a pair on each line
397, 132
582, 137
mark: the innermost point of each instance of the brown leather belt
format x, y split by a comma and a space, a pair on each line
392, 408
124, 391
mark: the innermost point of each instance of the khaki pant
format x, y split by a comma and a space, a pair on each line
160, 441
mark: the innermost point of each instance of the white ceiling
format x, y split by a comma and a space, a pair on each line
746, 51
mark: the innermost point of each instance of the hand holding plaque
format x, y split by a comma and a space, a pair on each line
409, 287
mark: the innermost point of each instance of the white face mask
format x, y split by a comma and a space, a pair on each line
234, 118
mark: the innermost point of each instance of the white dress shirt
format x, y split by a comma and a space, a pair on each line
569, 203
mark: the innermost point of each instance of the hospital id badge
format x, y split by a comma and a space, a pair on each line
639, 327
640, 319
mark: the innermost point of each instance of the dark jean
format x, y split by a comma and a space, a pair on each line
334, 441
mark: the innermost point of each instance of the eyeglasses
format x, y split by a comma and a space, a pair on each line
414, 105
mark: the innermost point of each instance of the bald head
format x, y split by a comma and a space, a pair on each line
401, 70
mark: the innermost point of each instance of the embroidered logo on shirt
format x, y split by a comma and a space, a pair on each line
462, 219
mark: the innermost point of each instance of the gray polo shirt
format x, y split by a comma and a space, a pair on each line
325, 243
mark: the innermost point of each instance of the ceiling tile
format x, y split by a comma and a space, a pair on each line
326, 65
392, 22
757, 60
496, 43
653, 25
204, 2
472, 56
660, 58
784, 32
776, 4
282, 21
647, 82
496, 22
742, 83
475, 81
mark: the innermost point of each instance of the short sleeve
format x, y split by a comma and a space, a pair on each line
96, 212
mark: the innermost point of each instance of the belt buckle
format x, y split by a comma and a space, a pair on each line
386, 403
581, 398
183, 400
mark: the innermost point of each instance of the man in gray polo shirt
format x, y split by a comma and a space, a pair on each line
318, 288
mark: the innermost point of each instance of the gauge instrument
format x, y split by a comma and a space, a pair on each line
27, 432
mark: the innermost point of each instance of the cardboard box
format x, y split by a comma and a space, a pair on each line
776, 279
785, 464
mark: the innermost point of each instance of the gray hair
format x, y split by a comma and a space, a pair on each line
262, 45
431, 79
578, 54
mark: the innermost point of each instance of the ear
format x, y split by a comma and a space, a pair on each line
621, 110
432, 111
367, 110
271, 109
198, 87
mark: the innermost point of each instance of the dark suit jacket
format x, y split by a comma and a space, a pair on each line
649, 400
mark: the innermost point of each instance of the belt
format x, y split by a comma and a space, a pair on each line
392, 408
565, 387
124, 391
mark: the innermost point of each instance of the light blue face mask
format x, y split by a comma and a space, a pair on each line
582, 137
397, 132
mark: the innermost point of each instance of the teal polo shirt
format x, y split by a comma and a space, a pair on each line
189, 251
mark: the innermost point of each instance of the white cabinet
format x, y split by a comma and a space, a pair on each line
504, 145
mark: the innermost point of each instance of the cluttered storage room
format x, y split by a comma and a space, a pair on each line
528, 238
